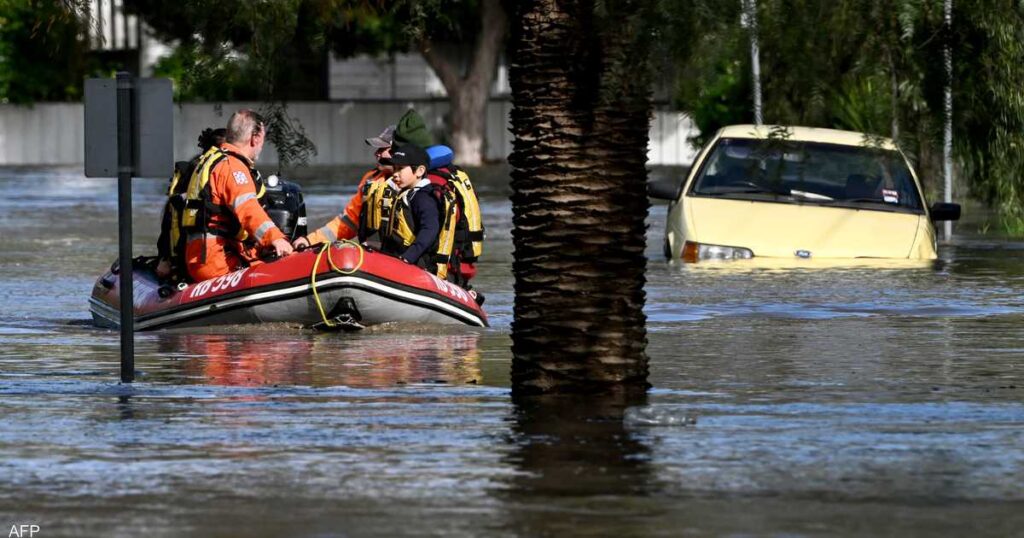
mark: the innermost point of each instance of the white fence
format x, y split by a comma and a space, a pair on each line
52, 133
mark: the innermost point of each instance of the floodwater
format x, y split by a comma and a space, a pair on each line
799, 400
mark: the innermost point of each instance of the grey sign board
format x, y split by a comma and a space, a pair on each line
152, 124
153, 136
100, 127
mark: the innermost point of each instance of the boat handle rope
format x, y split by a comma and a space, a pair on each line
330, 260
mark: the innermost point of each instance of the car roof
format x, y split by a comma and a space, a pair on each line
807, 134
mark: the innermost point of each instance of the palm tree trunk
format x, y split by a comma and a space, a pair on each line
580, 82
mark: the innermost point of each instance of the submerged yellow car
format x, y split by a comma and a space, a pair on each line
799, 192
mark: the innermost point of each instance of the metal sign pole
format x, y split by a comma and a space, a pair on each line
124, 224
128, 133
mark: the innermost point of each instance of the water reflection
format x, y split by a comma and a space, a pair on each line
319, 360
576, 451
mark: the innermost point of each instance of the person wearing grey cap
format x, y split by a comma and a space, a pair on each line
383, 140
410, 129
345, 224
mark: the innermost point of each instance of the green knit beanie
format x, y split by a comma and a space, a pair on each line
413, 130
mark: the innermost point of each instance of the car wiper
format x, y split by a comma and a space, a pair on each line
811, 195
863, 200
745, 190
875, 201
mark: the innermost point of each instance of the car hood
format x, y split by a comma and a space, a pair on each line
781, 229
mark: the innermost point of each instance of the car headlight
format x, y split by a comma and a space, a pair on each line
695, 252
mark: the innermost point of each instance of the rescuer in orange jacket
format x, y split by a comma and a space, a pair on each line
230, 213
411, 129
346, 224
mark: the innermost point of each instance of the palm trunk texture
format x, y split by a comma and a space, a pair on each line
581, 111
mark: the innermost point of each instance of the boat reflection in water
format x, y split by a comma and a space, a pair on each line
320, 360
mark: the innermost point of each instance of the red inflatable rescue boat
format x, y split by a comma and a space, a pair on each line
342, 286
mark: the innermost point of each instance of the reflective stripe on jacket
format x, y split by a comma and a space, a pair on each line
231, 190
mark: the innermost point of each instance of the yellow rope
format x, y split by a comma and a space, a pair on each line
330, 259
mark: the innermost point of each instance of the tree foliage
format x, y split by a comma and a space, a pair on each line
988, 104
280, 48
202, 74
873, 66
247, 50
287, 135
278, 51
43, 53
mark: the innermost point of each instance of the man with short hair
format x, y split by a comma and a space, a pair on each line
230, 212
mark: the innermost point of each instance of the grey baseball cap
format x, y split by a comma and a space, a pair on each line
384, 139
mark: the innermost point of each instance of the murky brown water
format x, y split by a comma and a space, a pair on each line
792, 400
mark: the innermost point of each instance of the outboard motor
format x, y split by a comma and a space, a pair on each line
284, 205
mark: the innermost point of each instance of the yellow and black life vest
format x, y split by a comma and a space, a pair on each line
398, 232
379, 198
198, 208
170, 225
463, 244
469, 229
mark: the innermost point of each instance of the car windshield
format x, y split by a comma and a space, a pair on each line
808, 172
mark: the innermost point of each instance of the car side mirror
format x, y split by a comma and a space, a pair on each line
664, 189
942, 211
